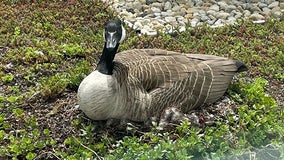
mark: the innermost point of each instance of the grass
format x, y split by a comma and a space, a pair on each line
47, 48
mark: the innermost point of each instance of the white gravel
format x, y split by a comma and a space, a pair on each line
150, 16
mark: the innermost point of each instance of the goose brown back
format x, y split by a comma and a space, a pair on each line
171, 78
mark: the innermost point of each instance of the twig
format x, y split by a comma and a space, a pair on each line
100, 158
37, 157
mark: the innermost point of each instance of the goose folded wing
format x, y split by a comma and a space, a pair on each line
154, 68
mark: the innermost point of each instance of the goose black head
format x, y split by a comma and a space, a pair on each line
114, 33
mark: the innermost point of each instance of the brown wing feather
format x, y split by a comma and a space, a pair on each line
172, 78
155, 68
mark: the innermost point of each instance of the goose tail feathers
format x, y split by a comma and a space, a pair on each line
241, 66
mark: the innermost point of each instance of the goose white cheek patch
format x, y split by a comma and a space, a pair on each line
123, 34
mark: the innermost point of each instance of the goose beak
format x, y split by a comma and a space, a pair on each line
111, 42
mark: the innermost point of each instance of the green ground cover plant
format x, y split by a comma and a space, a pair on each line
48, 47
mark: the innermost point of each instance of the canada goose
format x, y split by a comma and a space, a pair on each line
142, 83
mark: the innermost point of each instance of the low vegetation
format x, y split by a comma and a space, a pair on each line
47, 48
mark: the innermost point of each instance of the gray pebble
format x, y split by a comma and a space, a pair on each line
181, 23
128, 5
192, 10
246, 13
204, 18
211, 22
212, 17
219, 23
202, 12
256, 16
212, 1
253, 1
214, 7
183, 11
275, 9
151, 15
160, 21
170, 19
240, 8
231, 20
182, 29
273, 4
255, 8
168, 5
262, 5
238, 15
269, 1
212, 12
198, 3
276, 14
155, 9
170, 12
137, 5
137, 25
196, 14
148, 2
281, 5
194, 22
222, 15
176, 8
266, 11
248, 6
156, 4
190, 3
180, 18
157, 15
230, 8
236, 2
223, 5
164, 14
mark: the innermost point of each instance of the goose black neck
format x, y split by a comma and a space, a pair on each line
105, 64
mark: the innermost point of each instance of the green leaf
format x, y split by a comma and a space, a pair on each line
18, 112
2, 135
30, 155
46, 132
8, 78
